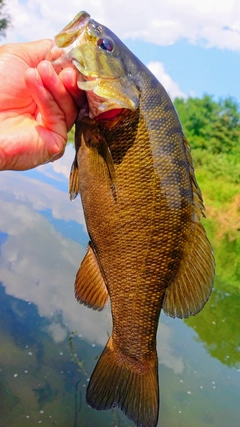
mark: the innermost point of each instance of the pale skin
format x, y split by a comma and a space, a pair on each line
37, 106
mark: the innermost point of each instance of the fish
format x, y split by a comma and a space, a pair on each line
148, 250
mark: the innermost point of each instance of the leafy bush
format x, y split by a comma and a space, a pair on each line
210, 125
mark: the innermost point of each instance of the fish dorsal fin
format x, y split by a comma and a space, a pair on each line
90, 288
197, 195
193, 283
73, 181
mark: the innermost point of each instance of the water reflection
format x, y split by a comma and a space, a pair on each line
37, 262
39, 382
217, 326
42, 379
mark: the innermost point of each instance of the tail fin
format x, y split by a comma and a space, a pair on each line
129, 384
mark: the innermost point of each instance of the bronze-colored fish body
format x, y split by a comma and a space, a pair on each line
148, 249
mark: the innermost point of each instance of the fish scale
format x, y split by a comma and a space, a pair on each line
146, 220
148, 249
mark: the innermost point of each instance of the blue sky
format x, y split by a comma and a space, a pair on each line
196, 69
193, 46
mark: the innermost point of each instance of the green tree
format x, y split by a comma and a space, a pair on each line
4, 19
209, 125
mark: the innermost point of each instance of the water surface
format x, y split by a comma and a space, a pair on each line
49, 344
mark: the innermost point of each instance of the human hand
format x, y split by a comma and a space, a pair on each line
36, 106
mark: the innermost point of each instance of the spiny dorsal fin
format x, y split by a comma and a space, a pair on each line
90, 288
73, 181
197, 195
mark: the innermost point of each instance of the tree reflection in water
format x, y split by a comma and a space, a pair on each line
217, 325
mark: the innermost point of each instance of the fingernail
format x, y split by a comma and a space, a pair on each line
53, 158
37, 77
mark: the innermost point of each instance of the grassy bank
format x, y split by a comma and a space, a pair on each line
222, 201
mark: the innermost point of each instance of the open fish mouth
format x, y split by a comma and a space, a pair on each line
82, 45
69, 40
73, 30
64, 42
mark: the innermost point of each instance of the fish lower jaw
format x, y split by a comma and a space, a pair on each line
102, 108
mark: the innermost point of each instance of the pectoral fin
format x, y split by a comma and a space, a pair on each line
90, 288
92, 138
107, 156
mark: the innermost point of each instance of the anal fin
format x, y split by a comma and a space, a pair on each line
90, 288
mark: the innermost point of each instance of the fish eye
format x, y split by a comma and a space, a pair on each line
106, 44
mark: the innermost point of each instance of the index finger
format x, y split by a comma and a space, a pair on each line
68, 77
30, 52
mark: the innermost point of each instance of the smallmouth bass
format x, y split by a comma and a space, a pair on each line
148, 249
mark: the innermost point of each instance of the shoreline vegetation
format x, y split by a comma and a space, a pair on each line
212, 128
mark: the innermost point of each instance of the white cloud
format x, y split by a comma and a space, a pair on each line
39, 265
157, 68
165, 346
41, 196
209, 22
